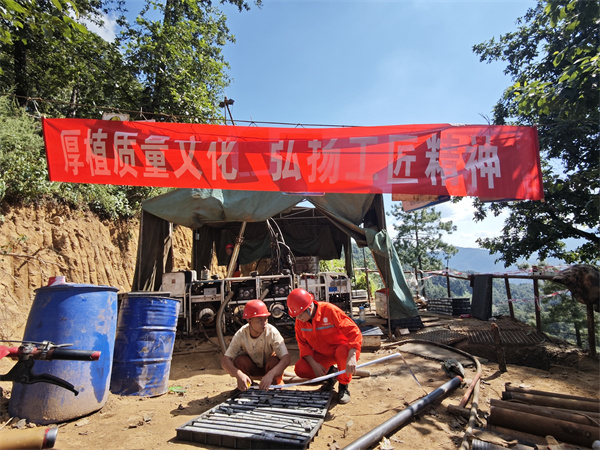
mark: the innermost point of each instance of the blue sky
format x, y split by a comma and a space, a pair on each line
371, 63
366, 62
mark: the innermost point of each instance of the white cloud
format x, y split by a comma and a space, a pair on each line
461, 214
108, 30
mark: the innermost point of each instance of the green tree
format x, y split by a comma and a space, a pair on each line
562, 316
24, 175
179, 59
46, 53
31, 33
363, 259
83, 74
418, 238
553, 61
169, 67
52, 18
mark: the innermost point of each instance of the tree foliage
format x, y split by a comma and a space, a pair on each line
553, 61
49, 18
362, 261
563, 316
24, 175
179, 60
167, 63
419, 238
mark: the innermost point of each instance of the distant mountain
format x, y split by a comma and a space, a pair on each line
479, 260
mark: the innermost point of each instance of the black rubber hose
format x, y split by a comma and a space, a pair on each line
70, 354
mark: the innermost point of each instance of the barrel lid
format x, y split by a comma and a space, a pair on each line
68, 286
148, 294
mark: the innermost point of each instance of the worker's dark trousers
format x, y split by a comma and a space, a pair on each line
249, 367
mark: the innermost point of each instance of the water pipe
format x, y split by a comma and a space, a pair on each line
375, 435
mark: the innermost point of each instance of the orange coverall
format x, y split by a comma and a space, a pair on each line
327, 337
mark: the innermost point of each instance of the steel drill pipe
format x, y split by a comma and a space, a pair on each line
553, 402
564, 431
375, 435
567, 415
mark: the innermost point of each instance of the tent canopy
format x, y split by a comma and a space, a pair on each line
322, 230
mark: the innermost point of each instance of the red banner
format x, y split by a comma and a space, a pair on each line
491, 162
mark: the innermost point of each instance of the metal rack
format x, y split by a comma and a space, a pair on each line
333, 287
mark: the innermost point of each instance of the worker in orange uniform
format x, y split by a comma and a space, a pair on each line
326, 336
256, 350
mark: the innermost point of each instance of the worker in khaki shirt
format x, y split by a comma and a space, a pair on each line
257, 349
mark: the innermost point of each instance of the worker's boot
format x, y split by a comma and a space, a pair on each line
329, 384
343, 394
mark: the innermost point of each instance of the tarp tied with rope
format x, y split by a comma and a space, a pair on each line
490, 162
323, 230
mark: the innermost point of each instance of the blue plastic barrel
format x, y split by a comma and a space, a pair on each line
144, 344
80, 314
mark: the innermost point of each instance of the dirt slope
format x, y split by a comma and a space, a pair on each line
37, 243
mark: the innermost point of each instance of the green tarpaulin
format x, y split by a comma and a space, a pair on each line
323, 227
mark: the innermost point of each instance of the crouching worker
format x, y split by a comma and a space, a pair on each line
256, 350
326, 336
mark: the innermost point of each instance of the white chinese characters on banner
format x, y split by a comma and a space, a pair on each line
324, 161
437, 160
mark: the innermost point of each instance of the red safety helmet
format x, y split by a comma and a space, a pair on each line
298, 300
229, 246
255, 308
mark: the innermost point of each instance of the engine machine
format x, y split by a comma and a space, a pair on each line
333, 287
272, 289
205, 297
201, 299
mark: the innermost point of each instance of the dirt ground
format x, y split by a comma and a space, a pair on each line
197, 383
39, 242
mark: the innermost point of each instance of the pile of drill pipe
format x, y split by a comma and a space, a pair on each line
570, 419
